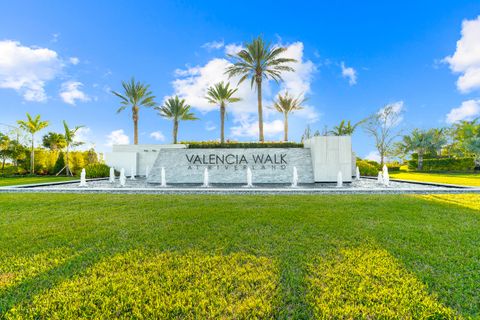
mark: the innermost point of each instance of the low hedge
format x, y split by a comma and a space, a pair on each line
240, 145
367, 169
393, 167
444, 164
97, 170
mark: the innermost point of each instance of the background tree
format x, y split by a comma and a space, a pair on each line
460, 133
221, 94
4, 149
382, 127
287, 104
419, 141
69, 142
54, 141
32, 126
176, 109
345, 128
135, 95
258, 61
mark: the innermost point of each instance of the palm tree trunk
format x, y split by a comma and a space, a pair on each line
260, 110
285, 126
175, 131
32, 156
135, 124
222, 123
67, 166
420, 161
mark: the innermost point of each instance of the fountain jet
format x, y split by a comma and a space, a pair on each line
295, 178
111, 179
83, 178
132, 174
123, 178
386, 176
339, 179
380, 178
147, 172
357, 174
205, 178
249, 178
163, 178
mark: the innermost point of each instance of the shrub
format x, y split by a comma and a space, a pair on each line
97, 170
59, 164
444, 164
239, 145
366, 168
393, 167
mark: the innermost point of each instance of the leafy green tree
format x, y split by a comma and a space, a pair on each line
4, 149
419, 141
460, 133
176, 109
32, 126
221, 94
259, 60
60, 163
287, 104
54, 141
135, 95
345, 128
69, 142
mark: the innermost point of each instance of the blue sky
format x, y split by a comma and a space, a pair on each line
62, 59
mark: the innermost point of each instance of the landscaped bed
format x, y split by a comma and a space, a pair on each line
110, 256
465, 179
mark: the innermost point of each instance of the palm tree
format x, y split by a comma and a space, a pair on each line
176, 110
54, 141
136, 95
345, 128
419, 141
258, 61
32, 126
70, 141
287, 104
222, 94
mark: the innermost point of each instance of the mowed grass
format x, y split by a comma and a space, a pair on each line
209, 257
13, 181
465, 179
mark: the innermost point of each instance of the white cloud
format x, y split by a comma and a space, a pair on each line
468, 111
233, 48
71, 92
397, 109
466, 59
74, 60
349, 73
158, 135
210, 126
84, 135
248, 128
373, 155
192, 84
117, 137
27, 69
213, 45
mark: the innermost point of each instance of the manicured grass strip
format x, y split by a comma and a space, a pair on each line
368, 283
14, 181
463, 179
165, 285
51, 242
471, 201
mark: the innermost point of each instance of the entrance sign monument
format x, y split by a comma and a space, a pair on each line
319, 160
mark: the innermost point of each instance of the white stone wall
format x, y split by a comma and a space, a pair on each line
331, 154
138, 156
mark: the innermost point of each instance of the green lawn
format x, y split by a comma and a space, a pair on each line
12, 181
466, 179
292, 257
